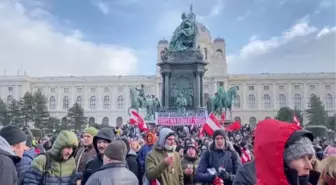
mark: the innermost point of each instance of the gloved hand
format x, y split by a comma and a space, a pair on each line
226, 175
218, 181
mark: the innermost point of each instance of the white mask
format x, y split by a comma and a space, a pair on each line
168, 147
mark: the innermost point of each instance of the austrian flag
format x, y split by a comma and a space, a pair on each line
136, 119
211, 124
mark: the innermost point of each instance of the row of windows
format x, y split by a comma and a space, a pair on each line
92, 102
79, 100
92, 120
296, 87
267, 104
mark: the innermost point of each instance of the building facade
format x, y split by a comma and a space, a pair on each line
105, 99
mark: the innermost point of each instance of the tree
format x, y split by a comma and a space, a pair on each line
331, 123
53, 124
286, 114
4, 114
76, 116
41, 113
26, 107
316, 113
14, 113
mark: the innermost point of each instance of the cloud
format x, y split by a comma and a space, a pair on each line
43, 50
257, 46
297, 50
242, 17
168, 23
216, 9
325, 31
103, 7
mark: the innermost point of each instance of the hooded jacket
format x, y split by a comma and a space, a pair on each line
8, 159
95, 163
61, 171
271, 137
156, 167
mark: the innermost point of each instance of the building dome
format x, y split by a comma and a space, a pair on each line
218, 39
163, 41
203, 33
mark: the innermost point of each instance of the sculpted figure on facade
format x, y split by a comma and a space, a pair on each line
142, 96
190, 96
181, 103
184, 36
149, 108
173, 94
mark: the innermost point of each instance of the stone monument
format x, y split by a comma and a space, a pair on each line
182, 69
222, 102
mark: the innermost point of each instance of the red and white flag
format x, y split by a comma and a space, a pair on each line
136, 119
296, 120
211, 124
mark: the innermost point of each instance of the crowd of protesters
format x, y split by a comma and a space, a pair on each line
275, 153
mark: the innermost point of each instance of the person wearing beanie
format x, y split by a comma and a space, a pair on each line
163, 164
142, 153
12, 147
131, 158
114, 170
100, 142
26, 159
57, 162
221, 157
85, 153
284, 154
180, 149
189, 164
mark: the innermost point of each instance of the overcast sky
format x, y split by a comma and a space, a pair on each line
119, 37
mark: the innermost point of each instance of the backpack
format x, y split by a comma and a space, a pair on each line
47, 167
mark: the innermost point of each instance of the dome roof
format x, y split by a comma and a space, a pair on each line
203, 33
163, 41
218, 39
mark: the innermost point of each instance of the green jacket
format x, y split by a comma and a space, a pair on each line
61, 171
157, 169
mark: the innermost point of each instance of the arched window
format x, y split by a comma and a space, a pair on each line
106, 102
205, 53
297, 101
65, 102
52, 102
92, 102
282, 101
329, 101
119, 121
105, 121
253, 122
9, 99
91, 121
79, 101
267, 101
236, 102
251, 101
120, 102
219, 52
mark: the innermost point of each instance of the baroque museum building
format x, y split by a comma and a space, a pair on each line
105, 99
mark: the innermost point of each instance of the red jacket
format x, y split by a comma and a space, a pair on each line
269, 144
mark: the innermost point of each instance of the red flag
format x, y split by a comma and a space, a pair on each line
234, 126
211, 124
137, 120
201, 133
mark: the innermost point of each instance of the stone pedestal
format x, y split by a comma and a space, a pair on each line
183, 71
